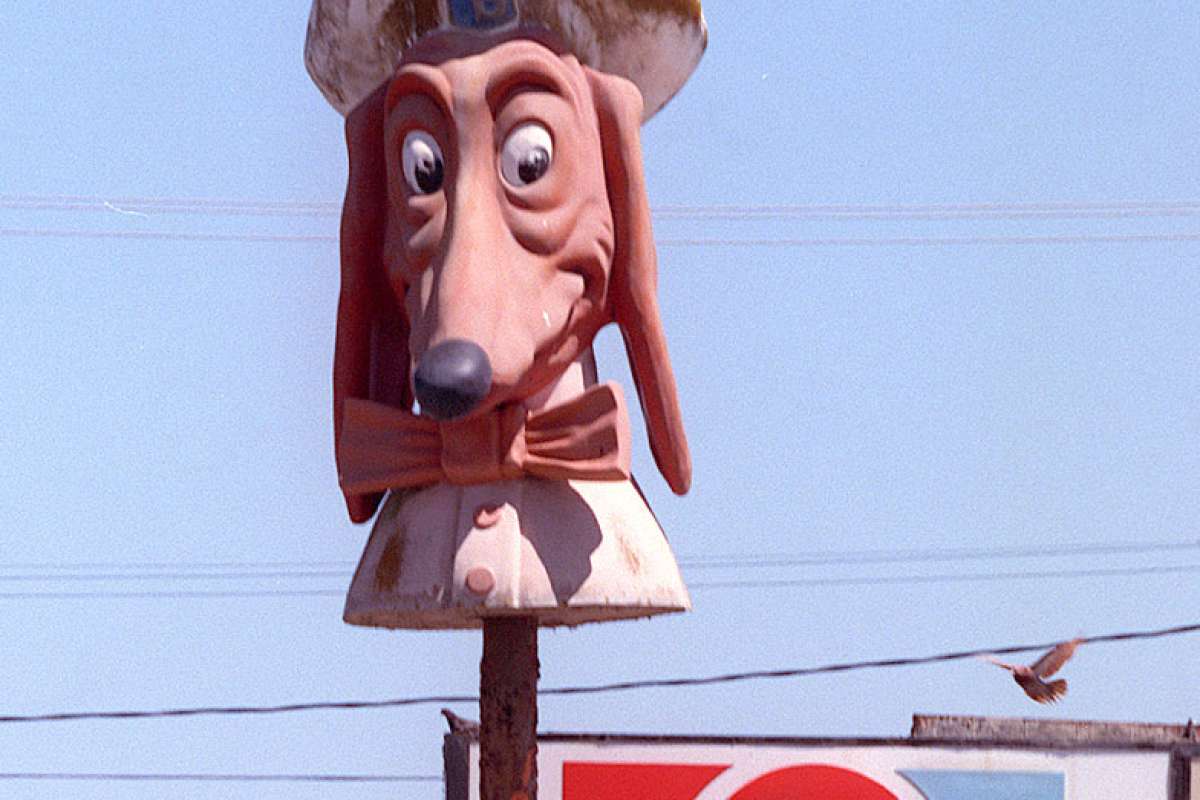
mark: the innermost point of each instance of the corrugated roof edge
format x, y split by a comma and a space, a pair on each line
940, 731
1051, 732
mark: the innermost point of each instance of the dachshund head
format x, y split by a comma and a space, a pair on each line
496, 218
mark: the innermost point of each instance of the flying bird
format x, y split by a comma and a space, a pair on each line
1030, 677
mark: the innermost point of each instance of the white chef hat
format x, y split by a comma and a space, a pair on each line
354, 45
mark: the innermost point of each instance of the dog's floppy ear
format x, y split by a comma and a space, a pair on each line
633, 284
371, 354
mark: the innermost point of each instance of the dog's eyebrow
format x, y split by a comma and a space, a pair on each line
529, 72
419, 79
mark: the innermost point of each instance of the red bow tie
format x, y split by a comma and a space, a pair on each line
384, 447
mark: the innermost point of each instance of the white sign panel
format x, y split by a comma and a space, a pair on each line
595, 769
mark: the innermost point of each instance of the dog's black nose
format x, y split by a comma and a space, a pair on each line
452, 378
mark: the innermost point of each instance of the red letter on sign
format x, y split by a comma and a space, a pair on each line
813, 782
598, 781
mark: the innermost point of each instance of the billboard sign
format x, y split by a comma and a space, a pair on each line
643, 768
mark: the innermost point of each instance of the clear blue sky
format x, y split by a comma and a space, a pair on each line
168, 401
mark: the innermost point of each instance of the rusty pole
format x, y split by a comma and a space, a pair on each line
508, 676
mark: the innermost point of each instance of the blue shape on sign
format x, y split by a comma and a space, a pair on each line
938, 784
482, 14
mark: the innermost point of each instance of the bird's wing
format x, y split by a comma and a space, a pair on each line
1041, 692
1054, 658
997, 662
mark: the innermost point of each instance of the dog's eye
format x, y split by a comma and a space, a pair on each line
422, 162
527, 154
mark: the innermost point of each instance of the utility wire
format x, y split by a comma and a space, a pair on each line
347, 705
661, 683
731, 560
729, 213
854, 666
769, 213
935, 210
215, 778
935, 241
913, 555
20, 200
174, 576
173, 595
228, 209
134, 565
904, 208
889, 580
781, 563
870, 580
898, 241
169, 236
265, 207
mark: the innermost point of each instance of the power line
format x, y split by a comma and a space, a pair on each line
912, 555
769, 213
773, 563
936, 210
152, 201
268, 207
171, 595
898, 241
661, 683
146, 209
78, 565
731, 213
961, 207
732, 560
170, 236
215, 778
854, 666
890, 580
186, 576
876, 580
347, 705
935, 241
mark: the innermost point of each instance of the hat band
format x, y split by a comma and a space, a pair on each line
482, 15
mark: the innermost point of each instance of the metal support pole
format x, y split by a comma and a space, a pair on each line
508, 676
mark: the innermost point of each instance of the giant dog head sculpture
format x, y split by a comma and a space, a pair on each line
495, 219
